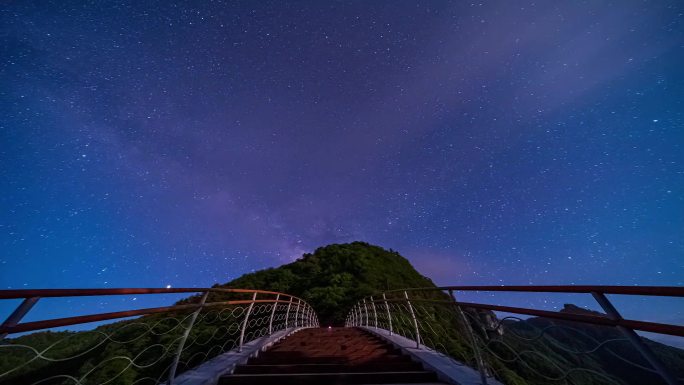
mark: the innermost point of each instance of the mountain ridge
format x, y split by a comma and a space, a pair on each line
334, 277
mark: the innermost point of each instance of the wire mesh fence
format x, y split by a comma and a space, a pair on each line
517, 349
152, 348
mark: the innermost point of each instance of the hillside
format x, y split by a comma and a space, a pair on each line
610, 353
334, 277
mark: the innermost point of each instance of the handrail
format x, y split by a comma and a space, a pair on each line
30, 297
611, 318
646, 326
69, 321
45, 293
15, 327
663, 291
652, 327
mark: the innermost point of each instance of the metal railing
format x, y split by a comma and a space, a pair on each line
575, 346
149, 349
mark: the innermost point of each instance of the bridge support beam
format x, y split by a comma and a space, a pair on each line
19, 313
473, 340
634, 338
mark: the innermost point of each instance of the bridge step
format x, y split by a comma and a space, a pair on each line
294, 359
330, 378
329, 368
330, 356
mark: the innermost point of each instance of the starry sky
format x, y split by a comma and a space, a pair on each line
155, 143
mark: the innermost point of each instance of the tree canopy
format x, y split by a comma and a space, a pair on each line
334, 277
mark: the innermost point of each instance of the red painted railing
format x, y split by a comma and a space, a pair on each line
228, 321
373, 312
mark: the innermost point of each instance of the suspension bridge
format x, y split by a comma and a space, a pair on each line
409, 336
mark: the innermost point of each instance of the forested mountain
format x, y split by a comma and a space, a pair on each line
334, 277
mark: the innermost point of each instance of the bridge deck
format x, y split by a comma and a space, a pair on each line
330, 356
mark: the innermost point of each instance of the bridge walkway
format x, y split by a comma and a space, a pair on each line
330, 356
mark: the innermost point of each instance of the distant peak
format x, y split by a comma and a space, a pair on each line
574, 309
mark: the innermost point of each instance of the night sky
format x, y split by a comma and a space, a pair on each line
146, 144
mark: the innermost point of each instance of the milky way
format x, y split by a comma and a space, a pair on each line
184, 144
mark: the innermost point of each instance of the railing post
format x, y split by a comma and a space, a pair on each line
353, 318
305, 316
186, 333
311, 314
297, 313
287, 314
244, 323
375, 314
365, 310
19, 313
304, 312
389, 315
359, 319
270, 321
634, 338
415, 321
473, 341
